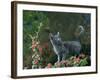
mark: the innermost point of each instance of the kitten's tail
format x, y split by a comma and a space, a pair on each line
79, 32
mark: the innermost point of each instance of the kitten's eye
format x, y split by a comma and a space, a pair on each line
58, 39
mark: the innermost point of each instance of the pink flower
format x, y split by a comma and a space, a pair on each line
36, 62
49, 65
82, 55
77, 60
63, 62
33, 46
40, 49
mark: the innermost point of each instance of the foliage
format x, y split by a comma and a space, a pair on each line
72, 61
32, 22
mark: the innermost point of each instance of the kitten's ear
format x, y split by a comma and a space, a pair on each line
50, 34
58, 33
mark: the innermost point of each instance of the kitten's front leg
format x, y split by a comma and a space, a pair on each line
58, 57
63, 57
